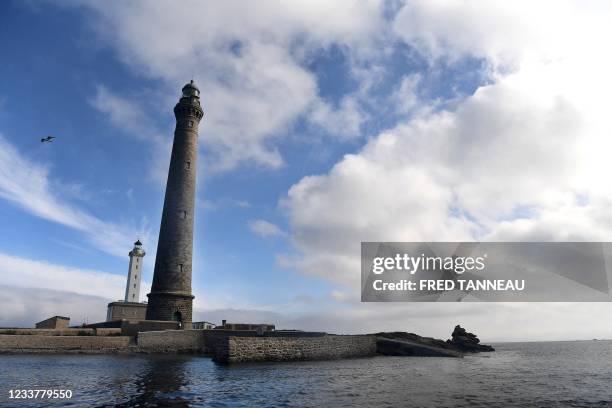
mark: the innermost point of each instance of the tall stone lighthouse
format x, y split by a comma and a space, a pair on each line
170, 297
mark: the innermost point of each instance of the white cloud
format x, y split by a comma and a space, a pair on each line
340, 296
343, 122
248, 60
503, 322
523, 158
532, 142
405, 98
129, 117
492, 322
24, 307
366, 200
44, 275
223, 203
502, 32
124, 114
265, 228
41, 289
32, 189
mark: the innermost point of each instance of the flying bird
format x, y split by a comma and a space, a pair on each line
47, 139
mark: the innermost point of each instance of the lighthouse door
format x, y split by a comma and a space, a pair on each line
179, 318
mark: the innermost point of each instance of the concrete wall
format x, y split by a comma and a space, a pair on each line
25, 342
246, 349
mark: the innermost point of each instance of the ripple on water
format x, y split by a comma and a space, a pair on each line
517, 375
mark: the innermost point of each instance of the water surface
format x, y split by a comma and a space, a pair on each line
554, 374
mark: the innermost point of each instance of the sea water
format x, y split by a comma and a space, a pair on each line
550, 374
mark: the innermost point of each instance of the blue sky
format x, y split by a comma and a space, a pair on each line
52, 83
324, 125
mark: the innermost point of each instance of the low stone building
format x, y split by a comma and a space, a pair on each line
55, 322
126, 310
133, 327
246, 326
202, 325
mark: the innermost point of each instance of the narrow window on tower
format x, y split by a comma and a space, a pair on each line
134, 285
136, 266
184, 214
187, 165
180, 267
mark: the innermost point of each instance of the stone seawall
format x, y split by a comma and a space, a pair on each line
172, 341
49, 332
187, 341
63, 332
228, 346
133, 327
62, 343
329, 347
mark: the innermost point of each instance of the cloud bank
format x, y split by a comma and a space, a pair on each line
249, 58
523, 158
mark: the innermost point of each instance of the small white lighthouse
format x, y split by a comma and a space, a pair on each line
130, 308
132, 289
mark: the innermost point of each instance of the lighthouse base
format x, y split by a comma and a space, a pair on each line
170, 306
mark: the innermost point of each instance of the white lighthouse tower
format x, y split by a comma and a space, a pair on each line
132, 289
130, 308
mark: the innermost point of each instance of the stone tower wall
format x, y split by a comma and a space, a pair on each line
171, 288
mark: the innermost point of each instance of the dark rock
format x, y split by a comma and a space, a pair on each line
467, 342
427, 341
410, 344
397, 347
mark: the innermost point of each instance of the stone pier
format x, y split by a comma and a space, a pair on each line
234, 346
328, 347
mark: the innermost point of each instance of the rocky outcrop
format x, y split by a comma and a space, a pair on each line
467, 342
410, 344
397, 347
